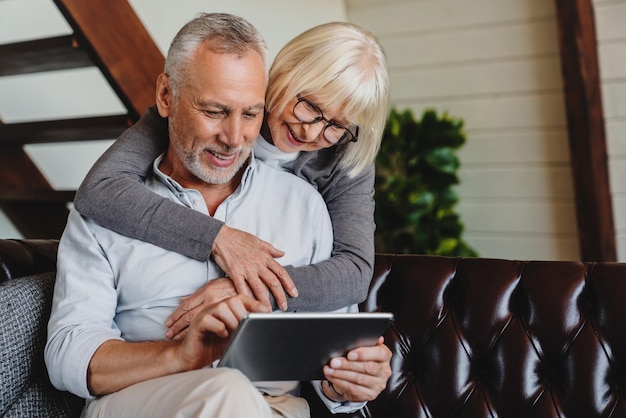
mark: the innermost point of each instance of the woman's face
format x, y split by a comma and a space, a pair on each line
290, 135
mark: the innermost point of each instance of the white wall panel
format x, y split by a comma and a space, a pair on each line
610, 18
611, 33
520, 247
53, 95
7, 228
511, 41
277, 20
621, 245
499, 111
612, 58
514, 146
24, 20
614, 99
529, 182
479, 79
619, 208
54, 159
616, 138
617, 170
385, 18
518, 216
496, 65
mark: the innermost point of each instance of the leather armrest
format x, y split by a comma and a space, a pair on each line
24, 257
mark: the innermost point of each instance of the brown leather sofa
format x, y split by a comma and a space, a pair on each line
472, 337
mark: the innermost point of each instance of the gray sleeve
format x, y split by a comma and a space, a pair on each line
343, 279
113, 195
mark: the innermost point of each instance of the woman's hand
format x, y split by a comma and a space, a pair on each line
250, 263
360, 376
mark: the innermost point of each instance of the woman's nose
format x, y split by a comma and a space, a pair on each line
312, 131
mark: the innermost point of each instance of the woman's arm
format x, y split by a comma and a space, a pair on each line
343, 279
112, 194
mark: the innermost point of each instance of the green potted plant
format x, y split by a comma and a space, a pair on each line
416, 169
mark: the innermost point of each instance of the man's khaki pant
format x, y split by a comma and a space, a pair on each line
206, 393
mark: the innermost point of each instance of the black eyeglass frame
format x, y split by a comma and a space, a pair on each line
347, 137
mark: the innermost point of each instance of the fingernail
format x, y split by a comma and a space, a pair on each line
353, 356
168, 323
169, 334
283, 306
295, 292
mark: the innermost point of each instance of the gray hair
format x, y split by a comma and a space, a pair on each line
220, 32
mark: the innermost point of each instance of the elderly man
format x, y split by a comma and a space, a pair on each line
113, 293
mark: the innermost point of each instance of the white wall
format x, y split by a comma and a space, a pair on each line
84, 92
611, 32
495, 64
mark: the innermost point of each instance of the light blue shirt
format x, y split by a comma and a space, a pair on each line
110, 286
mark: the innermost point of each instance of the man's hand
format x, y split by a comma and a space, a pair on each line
210, 332
118, 364
190, 306
360, 376
250, 261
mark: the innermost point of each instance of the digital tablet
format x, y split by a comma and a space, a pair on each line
296, 346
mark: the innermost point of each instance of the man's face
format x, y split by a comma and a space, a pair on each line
215, 119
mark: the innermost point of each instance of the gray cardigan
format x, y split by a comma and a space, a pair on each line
113, 195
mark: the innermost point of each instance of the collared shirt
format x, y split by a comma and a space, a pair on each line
110, 286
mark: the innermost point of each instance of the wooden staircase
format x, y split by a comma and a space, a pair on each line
107, 34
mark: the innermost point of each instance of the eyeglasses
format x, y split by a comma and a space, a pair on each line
309, 113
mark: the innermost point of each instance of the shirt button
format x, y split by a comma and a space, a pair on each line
196, 202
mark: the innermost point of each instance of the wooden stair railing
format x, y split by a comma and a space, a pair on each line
106, 34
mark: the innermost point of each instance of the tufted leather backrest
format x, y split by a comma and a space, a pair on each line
499, 338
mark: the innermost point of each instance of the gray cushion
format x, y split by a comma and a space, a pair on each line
25, 389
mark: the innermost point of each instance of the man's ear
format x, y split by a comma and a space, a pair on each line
163, 95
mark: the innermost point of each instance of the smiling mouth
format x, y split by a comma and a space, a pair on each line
221, 160
295, 137
225, 157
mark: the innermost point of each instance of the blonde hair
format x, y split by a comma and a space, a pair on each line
340, 64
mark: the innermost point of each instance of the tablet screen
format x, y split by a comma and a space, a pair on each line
295, 346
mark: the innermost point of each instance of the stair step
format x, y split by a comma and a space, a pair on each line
49, 54
37, 196
81, 129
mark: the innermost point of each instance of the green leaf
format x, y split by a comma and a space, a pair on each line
443, 159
